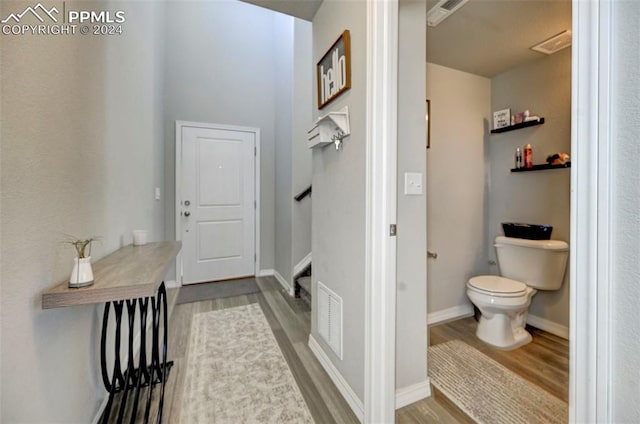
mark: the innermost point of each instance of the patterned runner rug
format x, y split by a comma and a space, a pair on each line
487, 391
236, 372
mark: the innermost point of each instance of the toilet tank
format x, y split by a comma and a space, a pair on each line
537, 263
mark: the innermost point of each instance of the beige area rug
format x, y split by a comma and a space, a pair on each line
236, 372
487, 391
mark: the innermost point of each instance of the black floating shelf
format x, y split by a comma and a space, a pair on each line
541, 167
518, 126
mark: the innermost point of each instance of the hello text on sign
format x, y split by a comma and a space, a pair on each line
333, 72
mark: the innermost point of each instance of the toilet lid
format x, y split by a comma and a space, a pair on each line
499, 286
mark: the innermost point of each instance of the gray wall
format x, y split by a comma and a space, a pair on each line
303, 84
625, 361
294, 68
283, 49
338, 228
220, 69
338, 232
457, 186
543, 197
81, 153
411, 325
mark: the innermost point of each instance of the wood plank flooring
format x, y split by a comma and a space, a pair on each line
290, 321
543, 362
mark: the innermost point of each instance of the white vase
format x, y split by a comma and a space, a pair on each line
82, 274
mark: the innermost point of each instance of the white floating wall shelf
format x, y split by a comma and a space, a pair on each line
330, 128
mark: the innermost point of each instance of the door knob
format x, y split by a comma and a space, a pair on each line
432, 255
187, 213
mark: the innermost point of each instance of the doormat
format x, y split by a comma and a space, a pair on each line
487, 391
236, 372
217, 290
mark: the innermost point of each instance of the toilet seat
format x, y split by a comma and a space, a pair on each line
497, 286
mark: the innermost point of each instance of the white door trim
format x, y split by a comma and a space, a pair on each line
256, 131
590, 256
380, 274
591, 183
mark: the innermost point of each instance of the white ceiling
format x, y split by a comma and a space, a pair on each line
303, 9
483, 37
488, 37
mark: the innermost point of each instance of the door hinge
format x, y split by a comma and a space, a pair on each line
255, 257
255, 204
255, 151
393, 230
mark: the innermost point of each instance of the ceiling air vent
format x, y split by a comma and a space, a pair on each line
443, 10
554, 44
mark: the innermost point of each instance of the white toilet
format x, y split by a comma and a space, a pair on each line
526, 266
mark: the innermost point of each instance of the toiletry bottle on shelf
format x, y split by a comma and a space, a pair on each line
528, 156
518, 158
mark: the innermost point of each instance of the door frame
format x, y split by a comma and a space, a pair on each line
178, 181
381, 206
591, 204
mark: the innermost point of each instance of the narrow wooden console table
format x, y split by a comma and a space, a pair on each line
133, 277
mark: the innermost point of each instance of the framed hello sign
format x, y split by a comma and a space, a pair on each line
333, 72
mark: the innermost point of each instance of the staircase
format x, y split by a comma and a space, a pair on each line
302, 279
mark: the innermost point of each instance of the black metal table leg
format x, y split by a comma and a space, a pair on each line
143, 371
117, 382
162, 294
145, 374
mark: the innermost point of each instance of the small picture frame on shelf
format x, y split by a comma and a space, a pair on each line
501, 118
518, 118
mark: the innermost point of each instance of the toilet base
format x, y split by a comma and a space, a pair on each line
502, 332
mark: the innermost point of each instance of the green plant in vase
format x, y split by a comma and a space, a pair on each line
82, 274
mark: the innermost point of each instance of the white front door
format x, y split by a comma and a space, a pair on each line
216, 203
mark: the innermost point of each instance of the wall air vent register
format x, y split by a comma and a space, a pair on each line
329, 318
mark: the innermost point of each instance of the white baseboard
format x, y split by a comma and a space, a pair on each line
300, 266
172, 284
273, 273
347, 392
548, 326
460, 311
266, 273
284, 283
411, 394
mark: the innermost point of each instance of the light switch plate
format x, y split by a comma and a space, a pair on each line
412, 183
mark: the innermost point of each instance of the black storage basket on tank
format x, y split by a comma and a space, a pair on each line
527, 231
